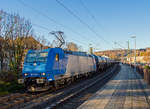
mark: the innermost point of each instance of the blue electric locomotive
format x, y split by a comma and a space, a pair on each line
49, 67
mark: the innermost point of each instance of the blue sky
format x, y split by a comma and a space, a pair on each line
117, 20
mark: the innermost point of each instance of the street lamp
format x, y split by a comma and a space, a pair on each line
134, 37
128, 52
90, 49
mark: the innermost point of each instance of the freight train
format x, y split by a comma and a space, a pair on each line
52, 67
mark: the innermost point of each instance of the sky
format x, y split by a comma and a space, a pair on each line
96, 23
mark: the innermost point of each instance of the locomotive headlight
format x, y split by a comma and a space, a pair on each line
43, 74
50, 79
25, 74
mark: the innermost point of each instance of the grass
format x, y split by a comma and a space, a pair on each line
9, 87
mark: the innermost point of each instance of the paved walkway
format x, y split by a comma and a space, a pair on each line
126, 91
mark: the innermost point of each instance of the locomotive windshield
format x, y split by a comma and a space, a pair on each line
37, 57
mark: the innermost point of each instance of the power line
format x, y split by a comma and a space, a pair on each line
119, 45
42, 27
50, 19
81, 21
89, 12
93, 17
45, 28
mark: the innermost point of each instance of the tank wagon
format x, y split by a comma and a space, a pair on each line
53, 66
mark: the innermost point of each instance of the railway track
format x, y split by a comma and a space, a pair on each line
75, 99
55, 101
50, 98
18, 100
14, 100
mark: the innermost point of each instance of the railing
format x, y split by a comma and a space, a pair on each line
144, 72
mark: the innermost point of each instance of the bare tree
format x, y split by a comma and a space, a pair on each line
16, 36
13, 29
72, 46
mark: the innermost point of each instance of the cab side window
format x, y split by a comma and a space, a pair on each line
57, 57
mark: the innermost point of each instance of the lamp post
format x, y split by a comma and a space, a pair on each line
134, 37
90, 49
128, 52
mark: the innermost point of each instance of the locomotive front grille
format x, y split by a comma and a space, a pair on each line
39, 81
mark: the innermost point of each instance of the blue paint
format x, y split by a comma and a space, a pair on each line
50, 67
34, 65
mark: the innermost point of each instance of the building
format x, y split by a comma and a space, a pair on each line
139, 59
147, 49
5, 54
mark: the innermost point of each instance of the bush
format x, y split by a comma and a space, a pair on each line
8, 76
8, 83
9, 87
147, 67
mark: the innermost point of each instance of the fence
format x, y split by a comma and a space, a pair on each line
144, 72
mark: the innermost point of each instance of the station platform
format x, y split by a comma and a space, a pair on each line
126, 90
